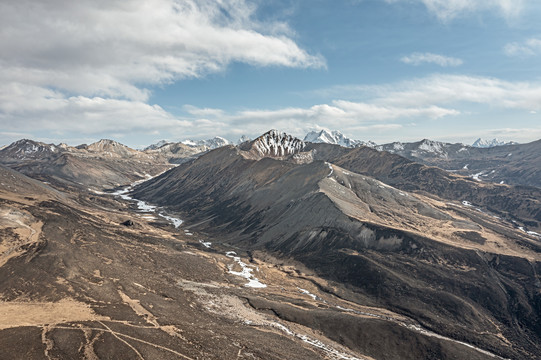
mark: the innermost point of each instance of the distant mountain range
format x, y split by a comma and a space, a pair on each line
105, 163
208, 144
494, 161
507, 164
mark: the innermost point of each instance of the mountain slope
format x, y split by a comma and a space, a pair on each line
77, 281
391, 246
516, 164
76, 284
208, 144
105, 163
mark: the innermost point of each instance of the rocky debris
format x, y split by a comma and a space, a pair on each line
128, 223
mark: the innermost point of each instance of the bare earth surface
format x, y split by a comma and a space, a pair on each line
77, 281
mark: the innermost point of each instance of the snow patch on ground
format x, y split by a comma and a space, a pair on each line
306, 292
246, 271
205, 243
145, 207
175, 221
335, 354
330, 167
476, 176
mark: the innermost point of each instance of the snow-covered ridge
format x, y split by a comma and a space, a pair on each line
431, 146
24, 148
277, 143
157, 145
208, 144
482, 143
335, 137
213, 143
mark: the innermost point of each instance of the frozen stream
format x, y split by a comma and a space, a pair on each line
143, 206
246, 271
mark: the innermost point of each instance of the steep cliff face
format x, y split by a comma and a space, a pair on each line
273, 144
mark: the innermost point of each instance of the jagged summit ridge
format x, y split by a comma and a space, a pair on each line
276, 143
482, 143
213, 143
432, 146
25, 148
335, 137
157, 145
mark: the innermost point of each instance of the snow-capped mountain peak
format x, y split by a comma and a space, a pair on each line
324, 136
334, 137
482, 143
432, 146
157, 145
243, 139
213, 143
26, 148
275, 143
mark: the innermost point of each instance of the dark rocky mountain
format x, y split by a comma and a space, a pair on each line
438, 248
511, 202
516, 164
272, 144
103, 164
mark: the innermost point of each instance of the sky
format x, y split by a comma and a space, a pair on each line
140, 71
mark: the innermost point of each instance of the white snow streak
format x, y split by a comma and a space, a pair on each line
246, 271
142, 205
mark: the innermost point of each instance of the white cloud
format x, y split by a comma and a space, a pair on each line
388, 107
444, 90
430, 58
516, 134
530, 47
115, 48
447, 10
348, 116
84, 115
385, 109
86, 66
